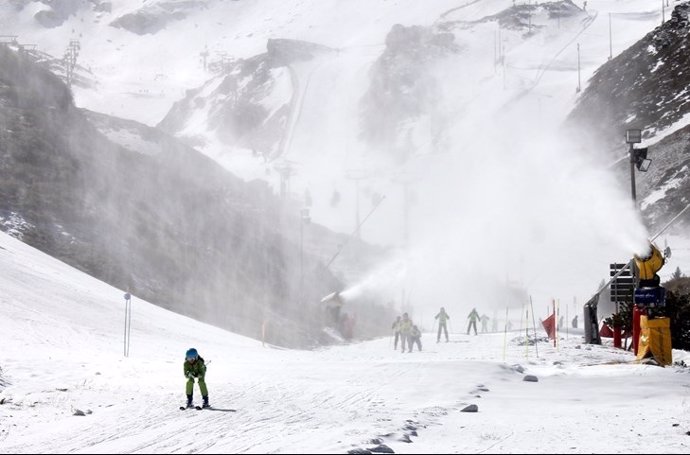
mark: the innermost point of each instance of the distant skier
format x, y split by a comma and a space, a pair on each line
396, 331
415, 337
195, 367
473, 316
442, 317
485, 322
575, 322
405, 330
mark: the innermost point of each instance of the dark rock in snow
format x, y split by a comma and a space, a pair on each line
470, 408
530, 378
358, 451
381, 448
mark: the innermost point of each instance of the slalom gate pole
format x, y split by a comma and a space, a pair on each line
534, 326
505, 335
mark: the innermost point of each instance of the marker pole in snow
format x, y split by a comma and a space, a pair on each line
128, 322
505, 335
526, 332
534, 326
555, 325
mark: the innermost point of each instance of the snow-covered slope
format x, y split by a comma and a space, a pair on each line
62, 351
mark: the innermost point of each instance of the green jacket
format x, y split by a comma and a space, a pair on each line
396, 325
442, 317
196, 369
473, 316
405, 326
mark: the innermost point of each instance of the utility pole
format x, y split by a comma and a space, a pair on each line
638, 157
497, 40
128, 322
579, 86
633, 191
663, 12
286, 171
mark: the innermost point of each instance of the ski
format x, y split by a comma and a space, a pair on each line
210, 408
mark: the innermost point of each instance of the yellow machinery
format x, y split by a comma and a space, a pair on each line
649, 265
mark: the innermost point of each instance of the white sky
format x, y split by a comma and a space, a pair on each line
62, 349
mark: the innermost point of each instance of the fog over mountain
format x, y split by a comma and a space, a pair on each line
440, 141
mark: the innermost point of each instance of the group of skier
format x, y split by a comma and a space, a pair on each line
405, 331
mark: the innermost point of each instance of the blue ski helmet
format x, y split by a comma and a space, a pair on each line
191, 354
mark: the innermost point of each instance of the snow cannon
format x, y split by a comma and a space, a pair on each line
648, 292
648, 266
333, 299
332, 305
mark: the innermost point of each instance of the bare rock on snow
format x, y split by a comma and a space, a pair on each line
530, 378
470, 408
381, 448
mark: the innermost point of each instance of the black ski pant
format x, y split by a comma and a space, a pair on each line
471, 325
411, 342
442, 326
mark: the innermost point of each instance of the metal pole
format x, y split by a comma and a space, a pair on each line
579, 85
124, 339
505, 335
534, 327
129, 326
128, 323
301, 258
632, 173
358, 233
555, 323
527, 333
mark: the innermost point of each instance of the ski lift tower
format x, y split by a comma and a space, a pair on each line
286, 170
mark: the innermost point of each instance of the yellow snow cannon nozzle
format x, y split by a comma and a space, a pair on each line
649, 264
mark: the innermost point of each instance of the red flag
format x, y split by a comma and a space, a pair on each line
550, 326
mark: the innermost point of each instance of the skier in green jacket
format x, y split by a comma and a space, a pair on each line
442, 317
194, 367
